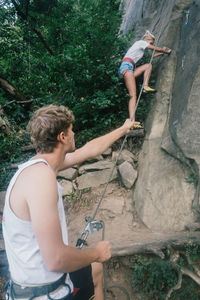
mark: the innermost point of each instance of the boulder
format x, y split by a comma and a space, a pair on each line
68, 174
100, 165
95, 159
124, 156
67, 187
128, 174
96, 178
107, 152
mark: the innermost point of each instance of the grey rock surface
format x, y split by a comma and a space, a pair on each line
67, 187
68, 174
124, 156
94, 179
107, 152
95, 159
100, 165
163, 197
128, 174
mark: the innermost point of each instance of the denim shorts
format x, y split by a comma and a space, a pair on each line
126, 66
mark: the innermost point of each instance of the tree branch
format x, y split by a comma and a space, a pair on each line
39, 34
174, 256
191, 274
13, 91
191, 263
176, 287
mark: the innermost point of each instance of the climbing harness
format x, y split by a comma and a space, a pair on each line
93, 225
16, 291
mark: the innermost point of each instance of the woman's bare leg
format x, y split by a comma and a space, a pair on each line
146, 69
129, 79
130, 82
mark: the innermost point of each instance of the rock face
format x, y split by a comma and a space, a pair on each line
166, 193
128, 174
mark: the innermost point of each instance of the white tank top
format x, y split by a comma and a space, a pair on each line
136, 51
25, 261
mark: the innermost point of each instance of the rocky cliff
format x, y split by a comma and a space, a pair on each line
166, 194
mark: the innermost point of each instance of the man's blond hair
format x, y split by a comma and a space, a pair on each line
45, 125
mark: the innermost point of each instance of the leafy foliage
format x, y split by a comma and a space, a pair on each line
152, 278
190, 291
64, 52
83, 72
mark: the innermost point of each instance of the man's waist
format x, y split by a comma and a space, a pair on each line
37, 290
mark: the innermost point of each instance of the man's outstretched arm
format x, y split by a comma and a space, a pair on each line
97, 146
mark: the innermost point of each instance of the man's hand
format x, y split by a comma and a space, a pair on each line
103, 250
128, 125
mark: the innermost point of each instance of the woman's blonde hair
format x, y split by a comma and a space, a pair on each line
149, 36
45, 125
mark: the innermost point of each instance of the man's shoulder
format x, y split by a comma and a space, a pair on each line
39, 172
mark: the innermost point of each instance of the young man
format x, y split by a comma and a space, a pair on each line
129, 71
42, 264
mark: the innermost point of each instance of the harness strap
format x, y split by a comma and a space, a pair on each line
17, 291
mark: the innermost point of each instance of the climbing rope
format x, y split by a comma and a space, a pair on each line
96, 226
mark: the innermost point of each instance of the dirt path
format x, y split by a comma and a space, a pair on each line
125, 231
116, 210
120, 220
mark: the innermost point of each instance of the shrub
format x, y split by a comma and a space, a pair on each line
152, 277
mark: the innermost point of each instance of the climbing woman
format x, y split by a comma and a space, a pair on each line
129, 71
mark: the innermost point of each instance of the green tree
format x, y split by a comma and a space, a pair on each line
81, 74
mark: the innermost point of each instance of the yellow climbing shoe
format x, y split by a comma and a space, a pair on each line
148, 90
137, 125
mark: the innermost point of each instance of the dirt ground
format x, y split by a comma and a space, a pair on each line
117, 212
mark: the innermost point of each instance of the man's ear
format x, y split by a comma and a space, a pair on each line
61, 137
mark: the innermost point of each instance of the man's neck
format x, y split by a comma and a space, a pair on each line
54, 159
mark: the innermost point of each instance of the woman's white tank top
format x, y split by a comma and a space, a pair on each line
25, 261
